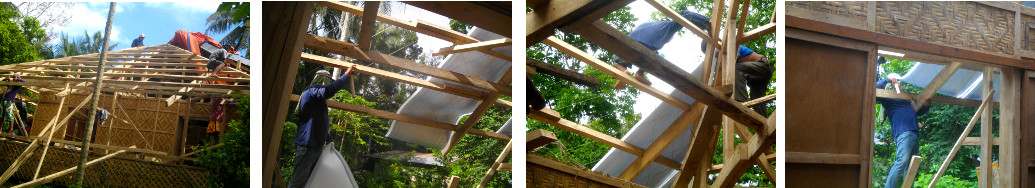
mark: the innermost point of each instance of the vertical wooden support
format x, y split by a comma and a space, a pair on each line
366, 29
729, 65
284, 31
914, 163
985, 177
1010, 127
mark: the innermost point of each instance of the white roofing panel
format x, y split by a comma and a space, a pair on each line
964, 83
444, 107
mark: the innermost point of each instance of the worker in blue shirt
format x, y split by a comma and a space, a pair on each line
314, 123
904, 128
138, 42
752, 69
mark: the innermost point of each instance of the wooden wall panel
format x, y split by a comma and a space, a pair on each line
832, 96
1027, 135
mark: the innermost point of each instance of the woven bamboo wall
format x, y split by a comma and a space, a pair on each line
156, 122
989, 27
114, 172
855, 10
963, 24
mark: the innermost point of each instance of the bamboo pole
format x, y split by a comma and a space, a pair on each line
51, 177
959, 142
85, 153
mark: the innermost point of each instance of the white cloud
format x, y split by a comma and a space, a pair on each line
192, 6
90, 17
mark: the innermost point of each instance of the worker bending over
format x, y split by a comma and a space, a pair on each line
904, 128
7, 103
314, 123
654, 36
217, 60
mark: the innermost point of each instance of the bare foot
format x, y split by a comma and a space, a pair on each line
643, 79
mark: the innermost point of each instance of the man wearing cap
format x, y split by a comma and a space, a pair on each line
138, 42
904, 128
314, 123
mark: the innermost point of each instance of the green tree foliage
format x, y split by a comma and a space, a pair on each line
87, 44
19, 36
227, 165
943, 124
232, 17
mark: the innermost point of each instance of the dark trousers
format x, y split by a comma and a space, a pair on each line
305, 160
754, 74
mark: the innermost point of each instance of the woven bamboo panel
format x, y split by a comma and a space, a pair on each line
546, 172
114, 172
851, 10
965, 25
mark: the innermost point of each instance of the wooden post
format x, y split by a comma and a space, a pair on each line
985, 177
959, 142
453, 182
85, 153
914, 163
285, 27
1010, 162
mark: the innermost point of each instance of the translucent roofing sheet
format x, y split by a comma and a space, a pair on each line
964, 83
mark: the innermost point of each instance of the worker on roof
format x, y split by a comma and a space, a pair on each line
138, 42
314, 123
7, 103
217, 60
904, 128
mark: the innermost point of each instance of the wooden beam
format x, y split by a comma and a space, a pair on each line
976, 141
453, 182
613, 72
619, 44
492, 169
541, 23
286, 24
404, 118
551, 117
760, 100
132, 82
473, 46
52, 127
54, 176
884, 93
757, 33
444, 87
158, 90
349, 50
472, 119
904, 43
935, 84
985, 177
421, 27
560, 72
505, 167
540, 160
491, 16
682, 21
661, 143
739, 161
539, 138
701, 149
914, 164
366, 28
822, 158
26, 68
986, 100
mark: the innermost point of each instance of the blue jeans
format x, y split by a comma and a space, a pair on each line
907, 146
305, 160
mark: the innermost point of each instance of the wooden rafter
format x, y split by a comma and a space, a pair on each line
489, 15
495, 165
539, 138
286, 24
405, 118
661, 143
553, 118
936, 83
740, 160
348, 49
541, 22
366, 29
485, 45
619, 44
560, 72
613, 72
682, 21
472, 119
884, 93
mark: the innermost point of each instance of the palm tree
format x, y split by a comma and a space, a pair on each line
239, 27
87, 44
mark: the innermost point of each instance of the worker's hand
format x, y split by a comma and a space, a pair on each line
921, 125
349, 71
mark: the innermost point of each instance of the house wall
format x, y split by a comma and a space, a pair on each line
144, 122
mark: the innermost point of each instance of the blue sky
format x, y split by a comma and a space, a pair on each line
157, 20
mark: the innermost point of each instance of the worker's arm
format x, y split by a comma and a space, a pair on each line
336, 85
880, 85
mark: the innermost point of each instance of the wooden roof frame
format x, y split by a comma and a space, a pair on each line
288, 35
713, 101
